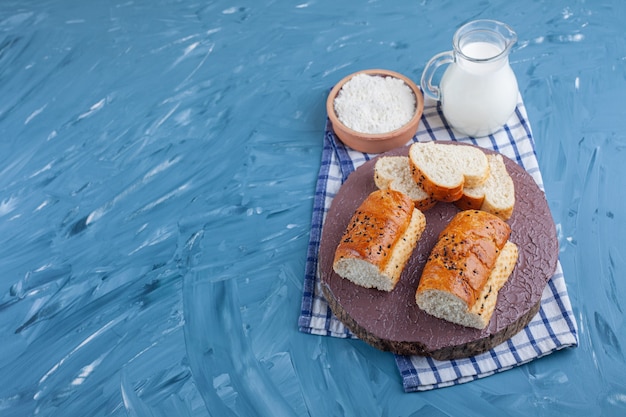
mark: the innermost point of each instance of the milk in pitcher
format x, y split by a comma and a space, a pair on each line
478, 91
478, 97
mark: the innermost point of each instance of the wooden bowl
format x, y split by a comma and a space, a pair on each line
375, 142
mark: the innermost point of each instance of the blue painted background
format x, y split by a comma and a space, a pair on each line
157, 169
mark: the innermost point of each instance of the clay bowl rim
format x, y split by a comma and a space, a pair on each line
371, 138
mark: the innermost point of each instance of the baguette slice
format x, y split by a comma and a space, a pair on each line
496, 195
443, 170
394, 173
466, 269
379, 240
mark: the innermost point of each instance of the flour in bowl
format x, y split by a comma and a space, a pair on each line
374, 104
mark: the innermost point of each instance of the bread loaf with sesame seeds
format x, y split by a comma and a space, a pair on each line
443, 170
466, 269
379, 239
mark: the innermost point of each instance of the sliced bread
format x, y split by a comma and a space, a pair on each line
466, 268
394, 173
379, 240
496, 195
443, 170
446, 305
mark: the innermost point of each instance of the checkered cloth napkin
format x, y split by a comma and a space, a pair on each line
554, 326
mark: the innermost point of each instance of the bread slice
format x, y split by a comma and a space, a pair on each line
379, 240
443, 170
468, 265
394, 173
496, 195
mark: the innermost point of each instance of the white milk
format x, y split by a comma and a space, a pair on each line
477, 98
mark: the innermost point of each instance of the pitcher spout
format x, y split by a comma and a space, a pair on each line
499, 36
509, 35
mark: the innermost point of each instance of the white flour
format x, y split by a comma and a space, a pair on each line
375, 104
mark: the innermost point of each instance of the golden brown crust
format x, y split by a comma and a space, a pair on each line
425, 204
375, 227
467, 202
465, 255
433, 190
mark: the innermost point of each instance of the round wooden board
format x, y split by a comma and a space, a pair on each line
392, 321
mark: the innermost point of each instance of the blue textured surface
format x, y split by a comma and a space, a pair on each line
157, 167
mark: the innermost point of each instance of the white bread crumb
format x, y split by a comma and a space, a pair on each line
394, 172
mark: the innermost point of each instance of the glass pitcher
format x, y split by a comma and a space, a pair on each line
478, 91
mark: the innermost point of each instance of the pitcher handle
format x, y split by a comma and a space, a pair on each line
435, 62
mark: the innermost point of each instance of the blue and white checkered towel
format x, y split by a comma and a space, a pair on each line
554, 326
